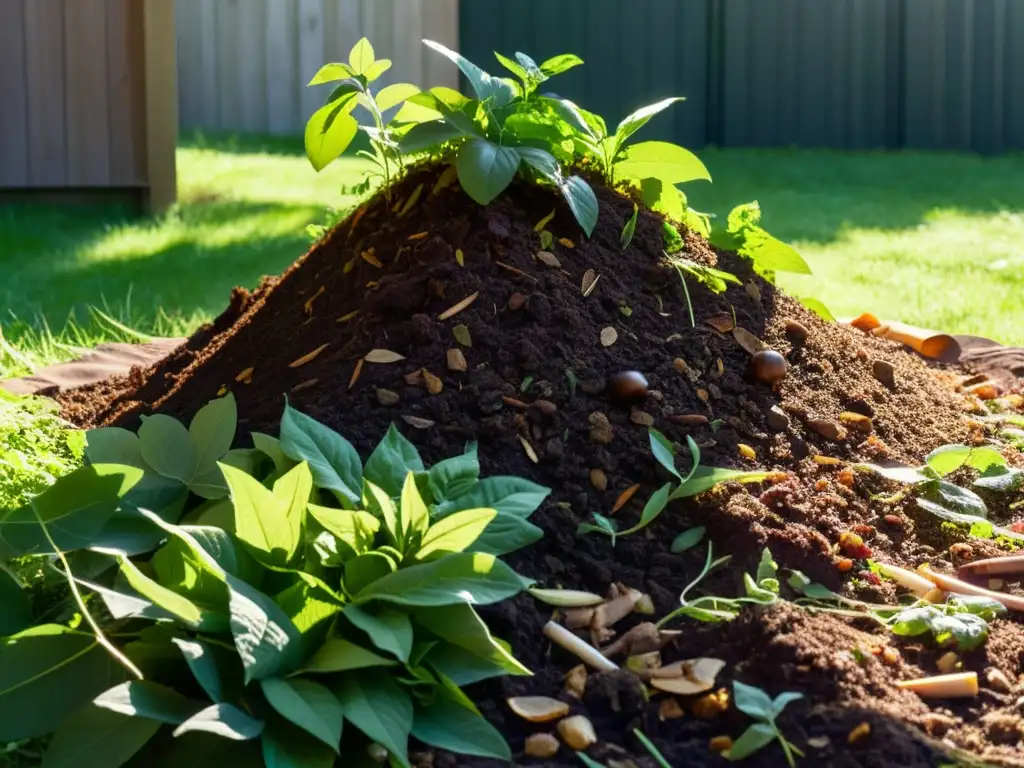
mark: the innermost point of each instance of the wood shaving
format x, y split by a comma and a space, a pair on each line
349, 316
308, 357
566, 242
355, 373
624, 497
245, 375
532, 454
419, 236
308, 306
417, 422
383, 356
304, 385
453, 310
371, 258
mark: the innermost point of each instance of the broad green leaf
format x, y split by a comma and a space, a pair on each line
1006, 481
74, 509
391, 461
952, 498
217, 671
15, 611
271, 447
540, 160
493, 90
360, 58
181, 571
459, 578
288, 746
654, 507
113, 445
182, 608
514, 67
485, 169
294, 489
394, 94
335, 464
428, 134
637, 120
364, 570
629, 229
688, 539
979, 605
706, 478
142, 698
781, 701
309, 602
506, 533
949, 458
378, 68
750, 741
34, 666
506, 494
377, 706
818, 307
262, 519
453, 477
461, 627
448, 725
661, 160
212, 431
414, 516
354, 527
744, 235
560, 63
752, 701
224, 720
167, 447
92, 737
308, 705
463, 669
224, 550
329, 132
121, 605
664, 452
582, 201
340, 655
388, 629
528, 64
266, 639
329, 73
455, 533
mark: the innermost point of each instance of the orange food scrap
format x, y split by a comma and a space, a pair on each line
245, 376
624, 497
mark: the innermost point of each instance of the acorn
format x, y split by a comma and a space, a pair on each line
627, 386
768, 366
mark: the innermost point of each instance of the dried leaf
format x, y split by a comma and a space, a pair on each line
453, 310
609, 336
624, 497
373, 285
415, 379
350, 265
456, 360
513, 403
529, 449
461, 334
722, 322
396, 206
544, 222
566, 242
459, 258
371, 258
387, 397
419, 236
308, 306
515, 271
245, 374
355, 373
383, 356
548, 258
304, 385
752, 291
445, 179
417, 422
413, 199
347, 317
308, 357
434, 383
750, 343
590, 278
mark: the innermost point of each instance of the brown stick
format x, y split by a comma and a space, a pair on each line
993, 566
958, 587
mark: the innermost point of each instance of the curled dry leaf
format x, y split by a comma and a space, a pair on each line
687, 677
532, 454
434, 384
609, 336
624, 497
308, 357
538, 709
566, 598
383, 356
721, 322
355, 373
566, 242
417, 422
590, 278
750, 343
456, 360
453, 310
462, 335
549, 259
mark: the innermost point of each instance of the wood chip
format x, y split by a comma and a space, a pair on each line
355, 373
434, 384
750, 343
609, 336
544, 222
529, 449
515, 271
371, 258
419, 236
308, 306
456, 360
413, 199
722, 323
549, 259
349, 316
453, 310
304, 385
513, 403
415, 379
590, 278
417, 422
566, 242
460, 259
308, 357
462, 335
383, 356
624, 497
245, 375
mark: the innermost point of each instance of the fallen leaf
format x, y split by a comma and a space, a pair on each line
413, 199
461, 334
459, 258
417, 422
308, 357
355, 373
414, 379
456, 308
383, 356
544, 222
371, 258
548, 258
349, 316
350, 265
750, 343
456, 360
722, 323
624, 497
513, 403
434, 383
566, 242
308, 306
529, 449
609, 336
419, 236
245, 374
515, 271
590, 278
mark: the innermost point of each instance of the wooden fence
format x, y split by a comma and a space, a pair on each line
244, 64
87, 101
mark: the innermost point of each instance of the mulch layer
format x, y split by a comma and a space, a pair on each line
537, 374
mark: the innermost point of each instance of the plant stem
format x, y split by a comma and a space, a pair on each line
785, 745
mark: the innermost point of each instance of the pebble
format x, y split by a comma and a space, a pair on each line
777, 419
600, 428
545, 406
997, 680
599, 479
884, 372
827, 429
516, 301
542, 745
423, 328
627, 386
768, 366
894, 520
387, 397
554, 449
689, 419
796, 331
642, 418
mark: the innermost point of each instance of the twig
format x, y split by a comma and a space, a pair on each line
577, 647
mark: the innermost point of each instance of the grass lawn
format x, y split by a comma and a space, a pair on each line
932, 239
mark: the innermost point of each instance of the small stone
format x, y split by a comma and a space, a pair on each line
387, 397
656, 395
642, 418
827, 429
948, 663
577, 732
516, 301
545, 406
689, 419
1001, 728
819, 742
703, 394
598, 479
894, 520
884, 372
997, 680
456, 360
796, 332
768, 366
600, 428
542, 745
554, 449
777, 419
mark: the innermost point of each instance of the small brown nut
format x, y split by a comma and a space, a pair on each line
627, 386
516, 301
577, 732
768, 366
598, 479
542, 745
797, 332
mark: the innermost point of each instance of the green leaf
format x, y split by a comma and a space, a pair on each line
266, 639
1006, 481
308, 705
97, 738
951, 502
414, 516
462, 577
485, 169
461, 627
262, 520
506, 533
454, 477
744, 235
329, 73
35, 666
582, 202
781, 701
217, 671
654, 507
365, 569
309, 603
394, 94
391, 461
705, 478
167, 447
15, 611
688, 539
447, 724
818, 307
556, 65
513, 67
287, 746
329, 132
388, 629
427, 135
360, 58
629, 229
224, 720
142, 698
985, 607
213, 430
756, 737
340, 655
354, 527
377, 706
271, 447
506, 494
294, 489
113, 445
487, 88
752, 701
335, 464
664, 452
455, 533
673, 240
182, 608
541, 161
662, 160
378, 68
949, 458
637, 120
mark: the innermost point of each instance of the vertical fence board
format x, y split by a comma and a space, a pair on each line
283, 85
189, 40
47, 137
86, 93
441, 23
311, 53
161, 124
228, 52
251, 61
13, 85
127, 91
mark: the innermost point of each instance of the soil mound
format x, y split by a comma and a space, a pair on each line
524, 367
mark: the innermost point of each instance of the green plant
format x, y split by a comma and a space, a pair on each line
744, 235
764, 709
651, 748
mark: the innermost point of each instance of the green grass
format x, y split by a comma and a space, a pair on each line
932, 239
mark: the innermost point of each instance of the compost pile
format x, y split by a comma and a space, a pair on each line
518, 351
